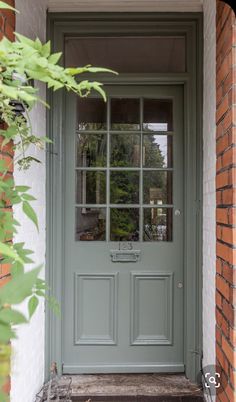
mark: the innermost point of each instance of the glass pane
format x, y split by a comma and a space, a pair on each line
90, 224
157, 224
125, 150
157, 187
158, 115
157, 151
163, 54
124, 224
91, 150
124, 187
125, 114
91, 187
91, 114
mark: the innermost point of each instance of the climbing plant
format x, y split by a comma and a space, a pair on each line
22, 64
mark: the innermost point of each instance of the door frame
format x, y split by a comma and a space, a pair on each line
190, 25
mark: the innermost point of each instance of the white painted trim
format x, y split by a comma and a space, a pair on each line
125, 5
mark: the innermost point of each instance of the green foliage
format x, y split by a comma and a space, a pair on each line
21, 63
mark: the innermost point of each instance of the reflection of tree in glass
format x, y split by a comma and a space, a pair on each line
124, 187
95, 188
152, 154
125, 150
124, 224
155, 189
91, 150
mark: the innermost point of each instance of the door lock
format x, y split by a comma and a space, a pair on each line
177, 212
180, 285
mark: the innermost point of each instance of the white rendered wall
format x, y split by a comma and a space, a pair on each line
209, 191
28, 350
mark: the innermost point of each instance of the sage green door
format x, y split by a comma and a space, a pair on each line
123, 231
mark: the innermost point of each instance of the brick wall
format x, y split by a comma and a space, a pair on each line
226, 197
7, 28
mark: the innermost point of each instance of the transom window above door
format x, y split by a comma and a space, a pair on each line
124, 169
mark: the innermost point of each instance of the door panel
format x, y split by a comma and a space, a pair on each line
123, 231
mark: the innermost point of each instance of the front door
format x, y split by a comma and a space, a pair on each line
123, 231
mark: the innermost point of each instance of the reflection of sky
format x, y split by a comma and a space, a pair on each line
161, 140
157, 126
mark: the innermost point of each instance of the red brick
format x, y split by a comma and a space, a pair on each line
231, 394
229, 352
229, 156
227, 121
222, 358
219, 232
226, 252
229, 273
219, 198
232, 216
218, 336
232, 376
218, 266
222, 144
222, 215
8, 161
228, 312
229, 196
222, 179
222, 108
228, 235
232, 336
222, 286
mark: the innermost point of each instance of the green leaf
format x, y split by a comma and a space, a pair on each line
24, 40
97, 87
6, 6
28, 210
28, 197
9, 316
54, 58
6, 333
46, 49
22, 189
32, 305
8, 251
20, 287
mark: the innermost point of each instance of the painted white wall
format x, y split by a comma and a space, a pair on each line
28, 349
209, 191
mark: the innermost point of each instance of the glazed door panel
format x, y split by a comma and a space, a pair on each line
123, 231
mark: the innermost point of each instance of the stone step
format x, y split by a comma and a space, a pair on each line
134, 388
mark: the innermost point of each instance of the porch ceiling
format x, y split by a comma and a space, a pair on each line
125, 5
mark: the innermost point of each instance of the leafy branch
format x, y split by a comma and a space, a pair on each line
21, 63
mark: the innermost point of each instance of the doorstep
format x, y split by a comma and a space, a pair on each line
134, 388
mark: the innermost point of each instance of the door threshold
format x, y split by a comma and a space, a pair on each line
134, 388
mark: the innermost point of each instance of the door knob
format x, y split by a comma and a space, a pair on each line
177, 212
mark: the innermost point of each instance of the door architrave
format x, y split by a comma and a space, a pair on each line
189, 25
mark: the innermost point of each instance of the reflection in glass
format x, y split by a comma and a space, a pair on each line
91, 187
124, 187
91, 114
157, 187
90, 224
157, 224
125, 114
158, 115
125, 150
157, 151
124, 224
128, 54
91, 150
